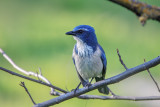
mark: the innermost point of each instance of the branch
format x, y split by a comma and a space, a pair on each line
120, 59
83, 96
112, 80
37, 81
23, 85
29, 73
63, 97
142, 10
87, 96
153, 78
118, 98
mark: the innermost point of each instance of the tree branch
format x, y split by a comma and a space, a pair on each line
87, 96
37, 81
142, 10
153, 78
118, 97
112, 80
23, 85
120, 59
29, 73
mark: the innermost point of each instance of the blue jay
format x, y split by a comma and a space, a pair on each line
88, 56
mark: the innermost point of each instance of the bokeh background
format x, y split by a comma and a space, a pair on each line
32, 33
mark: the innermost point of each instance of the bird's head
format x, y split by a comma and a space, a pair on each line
84, 34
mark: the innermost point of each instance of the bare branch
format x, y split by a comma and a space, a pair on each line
37, 81
81, 96
29, 73
86, 96
153, 78
119, 97
23, 85
112, 80
142, 10
120, 59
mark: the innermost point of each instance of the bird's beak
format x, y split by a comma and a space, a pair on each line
71, 33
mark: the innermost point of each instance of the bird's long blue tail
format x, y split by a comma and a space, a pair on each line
104, 89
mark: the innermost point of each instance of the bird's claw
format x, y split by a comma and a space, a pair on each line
88, 85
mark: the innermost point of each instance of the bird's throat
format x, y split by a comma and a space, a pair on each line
83, 49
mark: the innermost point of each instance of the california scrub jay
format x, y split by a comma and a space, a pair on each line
88, 56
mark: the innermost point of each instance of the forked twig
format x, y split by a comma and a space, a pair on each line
153, 78
23, 85
120, 59
112, 80
29, 73
34, 80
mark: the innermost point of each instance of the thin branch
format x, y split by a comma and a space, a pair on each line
120, 59
37, 81
40, 72
29, 73
80, 97
84, 96
23, 85
142, 10
153, 78
119, 97
112, 80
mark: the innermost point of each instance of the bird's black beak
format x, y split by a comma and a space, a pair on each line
71, 33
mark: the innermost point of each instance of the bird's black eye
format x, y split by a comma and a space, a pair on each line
80, 31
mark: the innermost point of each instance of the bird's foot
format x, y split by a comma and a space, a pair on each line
88, 85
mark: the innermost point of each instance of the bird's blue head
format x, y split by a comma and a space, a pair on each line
84, 34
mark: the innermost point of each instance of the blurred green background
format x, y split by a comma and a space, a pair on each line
32, 33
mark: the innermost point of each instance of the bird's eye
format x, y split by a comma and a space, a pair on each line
80, 31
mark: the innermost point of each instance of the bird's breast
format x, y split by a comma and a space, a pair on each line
89, 66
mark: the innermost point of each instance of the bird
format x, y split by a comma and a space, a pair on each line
88, 56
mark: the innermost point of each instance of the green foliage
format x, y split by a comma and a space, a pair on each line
32, 33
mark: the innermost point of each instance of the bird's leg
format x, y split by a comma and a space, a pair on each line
77, 88
91, 80
89, 83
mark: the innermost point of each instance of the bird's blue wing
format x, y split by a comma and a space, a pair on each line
104, 61
104, 89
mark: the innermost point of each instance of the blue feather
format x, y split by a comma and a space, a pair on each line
103, 58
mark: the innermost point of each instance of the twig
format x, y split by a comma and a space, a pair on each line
37, 81
142, 10
29, 73
119, 97
153, 78
88, 96
112, 80
120, 59
38, 77
40, 72
23, 85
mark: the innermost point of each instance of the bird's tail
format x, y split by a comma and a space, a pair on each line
104, 89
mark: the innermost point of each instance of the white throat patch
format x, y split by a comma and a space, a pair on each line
83, 48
